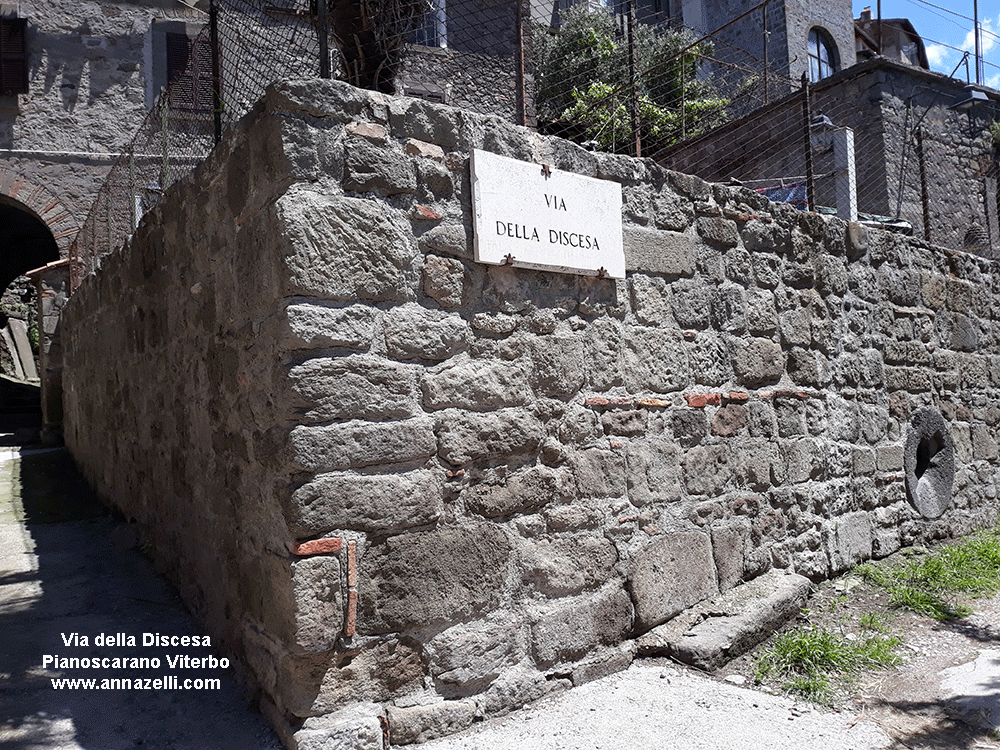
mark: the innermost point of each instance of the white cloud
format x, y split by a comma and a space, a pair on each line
987, 39
993, 81
936, 55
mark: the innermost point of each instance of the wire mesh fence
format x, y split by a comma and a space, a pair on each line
620, 76
244, 45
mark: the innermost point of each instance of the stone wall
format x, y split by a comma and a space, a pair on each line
408, 490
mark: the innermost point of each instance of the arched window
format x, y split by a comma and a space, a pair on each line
822, 54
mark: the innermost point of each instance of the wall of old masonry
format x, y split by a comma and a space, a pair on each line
408, 490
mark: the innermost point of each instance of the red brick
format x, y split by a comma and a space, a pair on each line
698, 400
319, 546
422, 212
738, 396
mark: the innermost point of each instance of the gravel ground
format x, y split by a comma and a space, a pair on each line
659, 705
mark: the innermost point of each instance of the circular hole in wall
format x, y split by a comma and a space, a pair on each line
929, 461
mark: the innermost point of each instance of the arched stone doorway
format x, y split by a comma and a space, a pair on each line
26, 242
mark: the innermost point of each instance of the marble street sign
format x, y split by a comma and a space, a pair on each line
531, 215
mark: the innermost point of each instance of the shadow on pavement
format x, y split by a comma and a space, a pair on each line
71, 588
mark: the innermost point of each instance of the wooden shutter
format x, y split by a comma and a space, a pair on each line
13, 56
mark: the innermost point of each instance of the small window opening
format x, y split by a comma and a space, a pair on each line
822, 55
13, 56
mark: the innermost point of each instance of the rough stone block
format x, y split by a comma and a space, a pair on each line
318, 684
516, 687
369, 502
984, 446
649, 251
358, 387
729, 306
446, 280
316, 325
559, 366
603, 351
671, 213
524, 491
729, 420
346, 248
692, 303
568, 630
802, 460
571, 517
848, 540
889, 458
758, 361
718, 231
671, 574
464, 437
358, 443
651, 299
758, 235
729, 547
374, 168
567, 565
740, 619
604, 663
412, 331
453, 239
354, 728
707, 469
478, 385
422, 723
319, 610
474, 654
654, 472
416, 580
600, 473
655, 360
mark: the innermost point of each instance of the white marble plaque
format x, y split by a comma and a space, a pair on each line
530, 215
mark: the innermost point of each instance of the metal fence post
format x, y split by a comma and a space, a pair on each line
633, 104
324, 41
807, 144
213, 20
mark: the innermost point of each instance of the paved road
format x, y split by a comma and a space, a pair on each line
62, 574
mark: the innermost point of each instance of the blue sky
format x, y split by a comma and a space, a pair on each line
946, 28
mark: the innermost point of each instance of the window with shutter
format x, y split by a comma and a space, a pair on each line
13, 56
189, 73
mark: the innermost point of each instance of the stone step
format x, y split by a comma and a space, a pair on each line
714, 632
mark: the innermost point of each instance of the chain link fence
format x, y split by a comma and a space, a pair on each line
878, 141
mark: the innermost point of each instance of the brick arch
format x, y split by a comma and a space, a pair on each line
42, 204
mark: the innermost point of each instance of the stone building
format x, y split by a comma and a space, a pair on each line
77, 81
924, 159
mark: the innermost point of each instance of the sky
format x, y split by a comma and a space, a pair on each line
946, 28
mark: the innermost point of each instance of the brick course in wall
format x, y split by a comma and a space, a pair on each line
407, 490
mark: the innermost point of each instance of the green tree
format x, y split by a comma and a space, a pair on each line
584, 88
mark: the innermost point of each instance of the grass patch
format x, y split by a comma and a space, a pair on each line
932, 583
809, 660
876, 622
